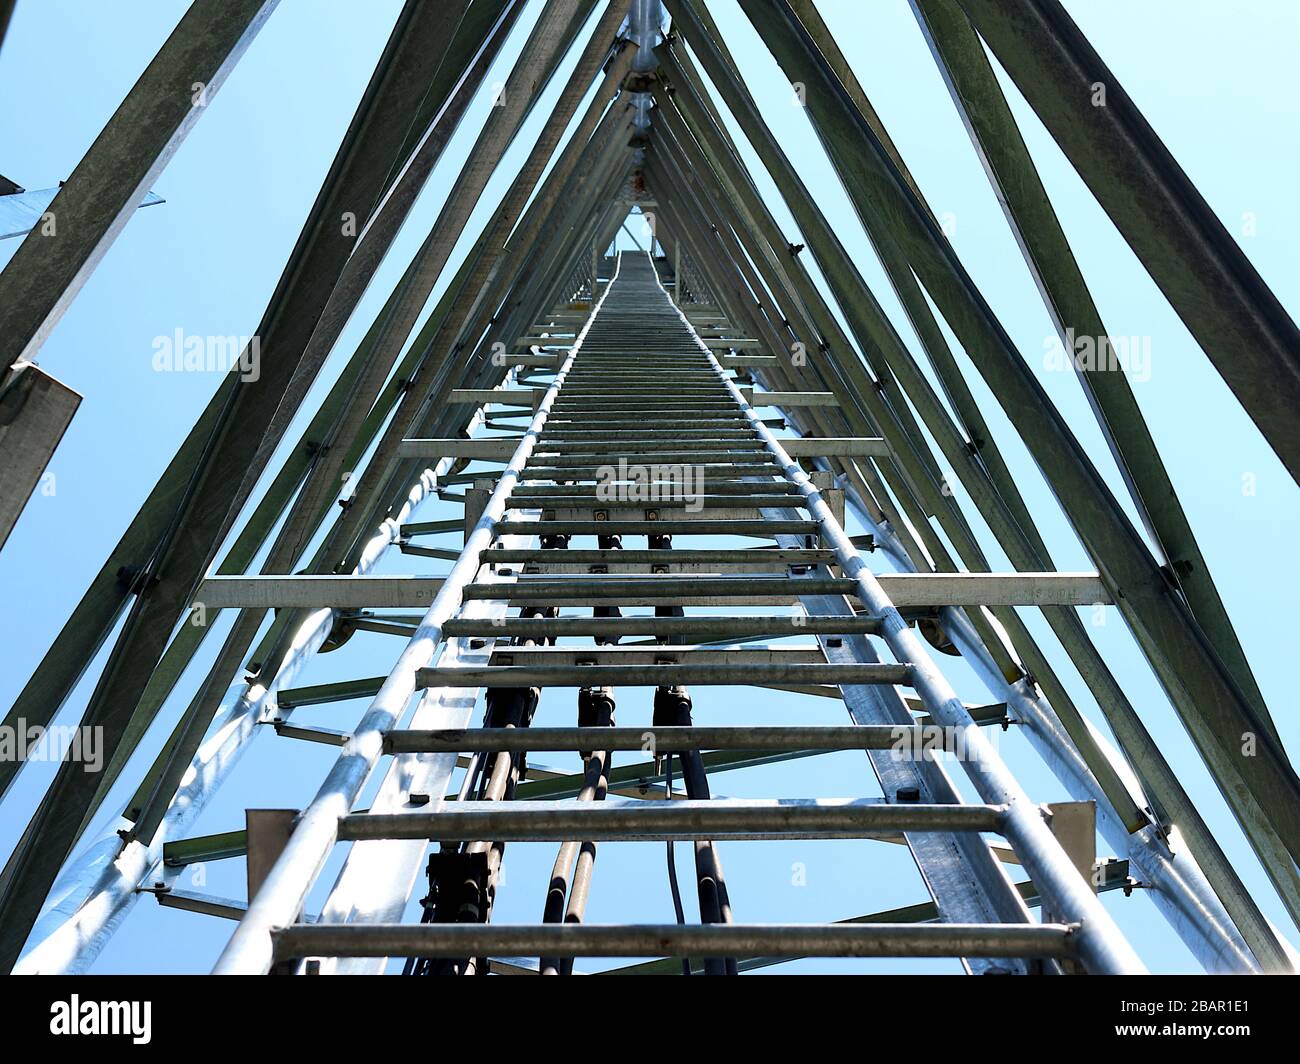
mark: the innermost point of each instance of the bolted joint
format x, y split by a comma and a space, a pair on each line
606, 612
136, 579
595, 710
458, 886
640, 81
672, 707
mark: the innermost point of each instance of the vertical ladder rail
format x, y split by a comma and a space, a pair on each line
378, 877
97, 888
278, 902
1100, 943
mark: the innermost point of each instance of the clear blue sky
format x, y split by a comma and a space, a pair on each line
1218, 82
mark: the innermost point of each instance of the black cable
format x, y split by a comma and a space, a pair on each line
672, 861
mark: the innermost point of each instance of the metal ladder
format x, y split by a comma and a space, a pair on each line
523, 609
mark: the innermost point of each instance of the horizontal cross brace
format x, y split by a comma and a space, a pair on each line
837, 447
340, 592
745, 361
319, 694
205, 904
908, 590
760, 398
529, 397
736, 343
501, 450
432, 528
532, 359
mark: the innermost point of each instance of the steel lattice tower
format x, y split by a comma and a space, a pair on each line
657, 454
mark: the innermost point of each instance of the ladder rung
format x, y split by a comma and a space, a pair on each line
778, 557
760, 529
620, 424
660, 739
698, 508
700, 378
710, 464
681, 456
570, 435
621, 448
617, 516
554, 591
698, 627
550, 657
674, 566
648, 405
615, 386
644, 562
654, 940
525, 500
764, 488
626, 820
660, 675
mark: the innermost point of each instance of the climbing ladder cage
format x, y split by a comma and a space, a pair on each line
654, 458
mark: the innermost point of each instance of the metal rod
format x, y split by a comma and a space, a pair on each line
590, 940
628, 820
653, 739
662, 675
